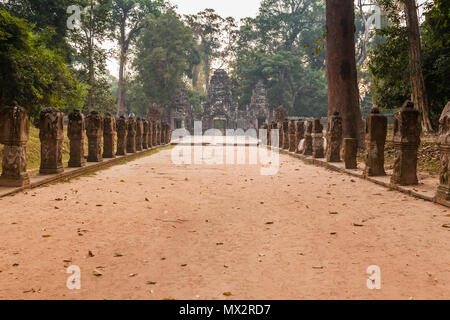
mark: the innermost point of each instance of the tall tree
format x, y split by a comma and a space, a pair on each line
343, 93
419, 91
128, 19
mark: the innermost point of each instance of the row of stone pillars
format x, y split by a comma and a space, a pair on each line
133, 135
306, 137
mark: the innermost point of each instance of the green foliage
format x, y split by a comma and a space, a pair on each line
283, 47
32, 74
196, 98
164, 56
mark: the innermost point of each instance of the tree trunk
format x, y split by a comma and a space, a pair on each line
121, 84
343, 92
419, 92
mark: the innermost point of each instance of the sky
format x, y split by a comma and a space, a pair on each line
235, 8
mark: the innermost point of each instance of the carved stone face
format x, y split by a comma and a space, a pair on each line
14, 126
76, 125
51, 123
94, 125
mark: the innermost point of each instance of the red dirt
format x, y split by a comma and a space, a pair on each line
206, 230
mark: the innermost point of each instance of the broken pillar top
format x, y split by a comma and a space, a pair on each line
76, 125
109, 124
51, 124
14, 125
407, 126
280, 114
308, 127
292, 127
444, 127
317, 127
94, 124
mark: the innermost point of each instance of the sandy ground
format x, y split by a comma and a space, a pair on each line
160, 231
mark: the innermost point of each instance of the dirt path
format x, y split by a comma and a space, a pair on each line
157, 231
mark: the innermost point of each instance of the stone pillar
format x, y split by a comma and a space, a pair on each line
158, 133
285, 128
299, 134
145, 136
122, 132
292, 136
264, 127
308, 145
407, 130
139, 134
14, 133
280, 135
350, 153
131, 135
109, 133
51, 134
75, 132
334, 138
169, 133
94, 132
154, 134
163, 133
376, 131
317, 140
271, 127
150, 134
443, 192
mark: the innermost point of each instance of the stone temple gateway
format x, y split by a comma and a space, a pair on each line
220, 111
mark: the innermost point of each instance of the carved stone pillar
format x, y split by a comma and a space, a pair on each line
299, 134
139, 134
109, 133
317, 140
407, 130
145, 136
163, 133
75, 132
443, 192
150, 134
280, 135
94, 132
14, 128
154, 134
376, 131
285, 128
122, 132
51, 134
131, 135
158, 133
350, 153
264, 133
292, 136
308, 145
334, 138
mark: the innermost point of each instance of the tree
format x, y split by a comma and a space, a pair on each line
419, 92
87, 40
31, 73
165, 54
343, 95
128, 19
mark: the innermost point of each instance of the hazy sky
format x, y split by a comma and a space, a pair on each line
235, 8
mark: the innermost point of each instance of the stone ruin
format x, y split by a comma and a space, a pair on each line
443, 192
292, 136
407, 131
109, 134
258, 112
75, 132
376, 131
94, 132
285, 129
334, 138
131, 134
317, 140
139, 133
51, 134
14, 134
308, 144
145, 136
350, 153
299, 134
280, 114
122, 133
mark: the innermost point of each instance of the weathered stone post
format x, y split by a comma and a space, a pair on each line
376, 131
150, 134
75, 132
169, 133
94, 132
131, 134
154, 133
350, 153
109, 133
308, 145
163, 133
139, 134
122, 132
334, 138
299, 134
158, 133
285, 128
14, 133
443, 192
264, 127
272, 126
407, 130
51, 134
145, 136
280, 135
292, 136
317, 139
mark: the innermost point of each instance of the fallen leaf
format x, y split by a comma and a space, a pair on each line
132, 275
446, 226
90, 254
334, 212
227, 294
118, 255
270, 222
46, 236
358, 225
97, 273
151, 283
